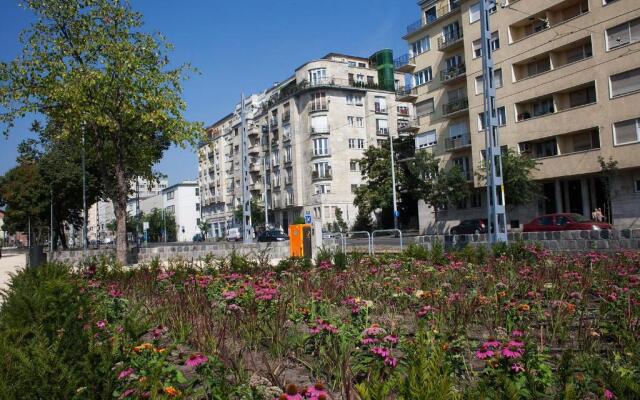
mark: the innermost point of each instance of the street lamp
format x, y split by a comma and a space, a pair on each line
396, 214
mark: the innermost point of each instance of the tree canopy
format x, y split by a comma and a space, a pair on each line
89, 66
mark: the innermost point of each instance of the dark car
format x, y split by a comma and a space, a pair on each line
470, 226
272, 236
198, 237
563, 222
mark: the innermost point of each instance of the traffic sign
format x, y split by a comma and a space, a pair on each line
307, 218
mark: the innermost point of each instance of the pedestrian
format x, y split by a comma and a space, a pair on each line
599, 216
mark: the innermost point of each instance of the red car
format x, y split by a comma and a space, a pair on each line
563, 222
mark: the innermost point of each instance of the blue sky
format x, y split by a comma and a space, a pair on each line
238, 46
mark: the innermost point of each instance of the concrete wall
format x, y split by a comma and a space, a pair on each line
164, 253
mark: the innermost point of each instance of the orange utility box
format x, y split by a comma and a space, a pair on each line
300, 240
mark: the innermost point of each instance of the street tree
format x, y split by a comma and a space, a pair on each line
257, 213
608, 171
89, 66
437, 186
519, 186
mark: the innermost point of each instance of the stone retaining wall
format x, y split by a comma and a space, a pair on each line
187, 251
607, 240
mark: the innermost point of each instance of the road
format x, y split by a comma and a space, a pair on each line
10, 263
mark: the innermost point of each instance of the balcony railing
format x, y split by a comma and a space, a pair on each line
273, 123
382, 131
455, 106
265, 129
320, 130
430, 19
458, 142
408, 125
286, 117
319, 107
326, 176
453, 73
449, 39
380, 109
404, 63
406, 93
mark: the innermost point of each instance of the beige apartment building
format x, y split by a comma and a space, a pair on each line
306, 135
567, 74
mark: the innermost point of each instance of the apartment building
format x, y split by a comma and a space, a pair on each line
183, 201
305, 135
567, 74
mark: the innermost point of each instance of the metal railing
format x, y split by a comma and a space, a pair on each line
369, 242
431, 18
373, 235
449, 39
458, 142
404, 60
453, 73
406, 91
316, 176
455, 106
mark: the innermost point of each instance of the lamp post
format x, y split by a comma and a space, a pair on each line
396, 214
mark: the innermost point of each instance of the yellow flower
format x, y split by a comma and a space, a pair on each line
524, 307
171, 391
143, 346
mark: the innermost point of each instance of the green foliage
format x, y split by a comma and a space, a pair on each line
257, 213
299, 221
520, 188
363, 221
45, 351
342, 226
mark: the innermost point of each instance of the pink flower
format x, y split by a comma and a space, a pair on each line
511, 352
484, 354
491, 344
229, 295
391, 361
608, 394
391, 339
114, 291
101, 324
517, 333
424, 311
195, 360
315, 392
517, 368
381, 352
125, 373
127, 393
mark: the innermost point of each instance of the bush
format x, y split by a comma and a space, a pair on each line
45, 350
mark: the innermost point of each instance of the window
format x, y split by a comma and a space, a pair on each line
317, 76
350, 100
626, 131
419, 46
476, 199
495, 41
425, 108
197, 206
382, 126
477, 48
426, 139
637, 185
380, 104
502, 118
360, 78
354, 166
538, 67
474, 13
352, 143
286, 132
320, 147
579, 53
322, 169
351, 121
497, 81
318, 101
276, 178
170, 195
197, 191
623, 34
360, 143
543, 106
548, 148
582, 96
424, 76
358, 100
275, 157
625, 82
359, 122
319, 124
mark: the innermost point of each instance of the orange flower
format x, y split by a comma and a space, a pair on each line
524, 307
444, 346
160, 350
171, 391
571, 308
484, 300
143, 346
502, 294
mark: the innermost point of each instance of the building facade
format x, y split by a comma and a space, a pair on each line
567, 74
183, 201
305, 137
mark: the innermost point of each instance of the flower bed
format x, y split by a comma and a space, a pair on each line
520, 324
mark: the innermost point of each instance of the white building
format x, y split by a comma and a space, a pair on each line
183, 200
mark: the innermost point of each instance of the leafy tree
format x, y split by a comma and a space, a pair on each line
363, 221
437, 186
341, 225
376, 193
257, 213
608, 170
87, 65
158, 221
204, 227
519, 186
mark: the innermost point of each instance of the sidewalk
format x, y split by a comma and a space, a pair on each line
10, 263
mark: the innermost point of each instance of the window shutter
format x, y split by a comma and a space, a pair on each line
625, 82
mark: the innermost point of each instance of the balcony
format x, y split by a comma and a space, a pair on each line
316, 107
405, 64
317, 176
412, 125
286, 117
254, 149
275, 141
568, 99
254, 167
407, 94
455, 107
382, 131
458, 142
273, 123
320, 130
317, 153
453, 74
450, 40
467, 174
265, 129
380, 109
257, 185
430, 18
548, 19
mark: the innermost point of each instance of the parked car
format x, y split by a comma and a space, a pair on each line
470, 226
198, 237
234, 234
272, 236
563, 222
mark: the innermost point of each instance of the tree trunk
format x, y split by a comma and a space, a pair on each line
120, 211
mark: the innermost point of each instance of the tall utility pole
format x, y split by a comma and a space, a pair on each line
246, 195
396, 214
84, 198
496, 213
264, 183
51, 220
